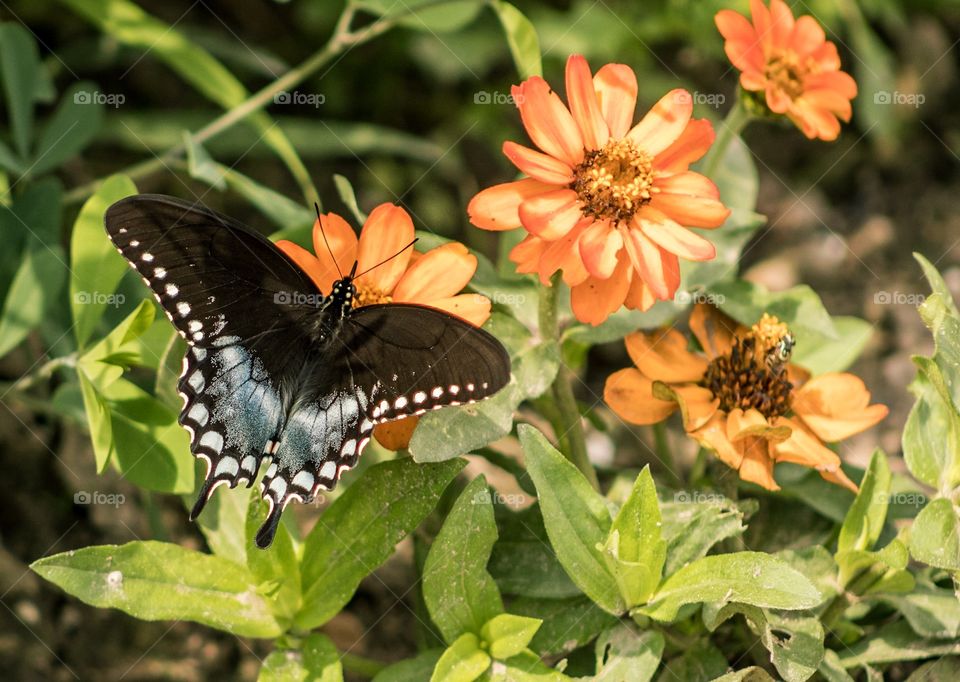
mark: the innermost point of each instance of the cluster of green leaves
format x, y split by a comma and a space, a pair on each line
627, 585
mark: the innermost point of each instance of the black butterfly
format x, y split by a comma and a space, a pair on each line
274, 368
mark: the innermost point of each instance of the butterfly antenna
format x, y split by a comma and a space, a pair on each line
323, 232
387, 260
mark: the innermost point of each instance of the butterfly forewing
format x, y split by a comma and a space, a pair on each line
276, 370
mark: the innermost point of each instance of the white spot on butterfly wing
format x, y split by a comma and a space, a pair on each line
147, 257
194, 325
171, 290
135, 243
400, 403
183, 309
212, 440
227, 465
199, 414
304, 480
279, 486
419, 397
437, 392
159, 273
328, 470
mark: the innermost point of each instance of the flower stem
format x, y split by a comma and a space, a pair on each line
736, 120
569, 426
662, 448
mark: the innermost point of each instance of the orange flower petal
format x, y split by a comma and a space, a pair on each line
805, 449
583, 103
836, 406
548, 123
688, 184
807, 35
714, 330
616, 87
761, 23
713, 436
599, 246
496, 208
396, 435
307, 262
648, 261
564, 254
751, 424
697, 405
662, 355
342, 242
781, 22
664, 123
387, 231
742, 44
639, 297
538, 165
594, 300
527, 254
473, 308
629, 394
693, 143
757, 465
673, 237
439, 273
551, 215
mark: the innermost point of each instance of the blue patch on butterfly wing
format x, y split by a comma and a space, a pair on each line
232, 411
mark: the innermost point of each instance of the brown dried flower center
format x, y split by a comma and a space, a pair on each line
614, 181
752, 375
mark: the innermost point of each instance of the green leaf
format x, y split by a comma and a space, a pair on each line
460, 595
349, 197
635, 550
831, 669
35, 287
98, 421
360, 530
277, 568
415, 669
524, 667
20, 67
937, 285
161, 581
935, 535
421, 16
507, 635
894, 643
223, 522
150, 448
752, 674
624, 654
864, 521
692, 528
96, 267
521, 38
463, 661
567, 623
104, 362
69, 130
942, 414
931, 611
944, 670
700, 662
576, 518
744, 577
317, 660
822, 355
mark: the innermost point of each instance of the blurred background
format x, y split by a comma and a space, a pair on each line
417, 116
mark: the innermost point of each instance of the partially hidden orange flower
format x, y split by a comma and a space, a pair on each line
434, 278
741, 397
792, 64
607, 202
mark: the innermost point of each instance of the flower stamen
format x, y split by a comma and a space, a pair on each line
368, 295
613, 182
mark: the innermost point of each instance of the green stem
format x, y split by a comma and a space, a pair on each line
361, 665
42, 373
570, 429
699, 468
662, 448
736, 120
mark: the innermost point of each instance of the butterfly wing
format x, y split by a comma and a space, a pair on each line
388, 361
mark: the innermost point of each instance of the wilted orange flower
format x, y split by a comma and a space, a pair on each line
434, 278
741, 397
792, 63
605, 201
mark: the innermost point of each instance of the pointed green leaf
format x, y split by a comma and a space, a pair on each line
98, 421
161, 581
36, 285
277, 568
317, 660
415, 669
460, 595
576, 518
74, 123
507, 635
463, 661
867, 514
567, 623
20, 67
935, 535
521, 38
625, 654
360, 530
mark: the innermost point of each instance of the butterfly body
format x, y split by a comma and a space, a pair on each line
277, 371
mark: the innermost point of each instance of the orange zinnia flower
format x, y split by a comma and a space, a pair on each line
792, 63
606, 202
434, 278
741, 398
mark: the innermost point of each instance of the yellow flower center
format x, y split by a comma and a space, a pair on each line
614, 181
368, 295
787, 74
751, 375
